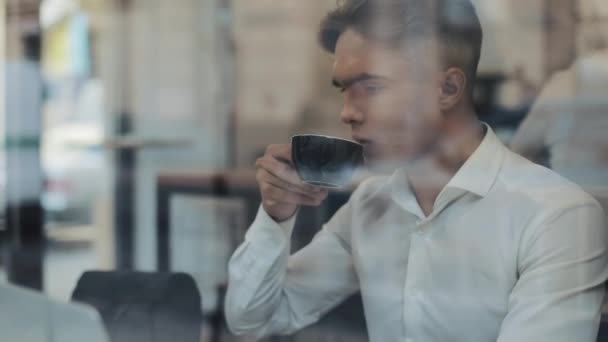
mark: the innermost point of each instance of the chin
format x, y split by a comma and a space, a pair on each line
388, 165
383, 166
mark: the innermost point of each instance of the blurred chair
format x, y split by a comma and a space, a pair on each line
28, 316
602, 335
138, 307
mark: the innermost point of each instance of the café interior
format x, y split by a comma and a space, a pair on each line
130, 133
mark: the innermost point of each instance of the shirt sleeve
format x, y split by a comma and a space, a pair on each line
562, 270
270, 292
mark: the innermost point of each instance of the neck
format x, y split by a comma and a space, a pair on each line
459, 140
460, 137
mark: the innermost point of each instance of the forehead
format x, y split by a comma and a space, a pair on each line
355, 54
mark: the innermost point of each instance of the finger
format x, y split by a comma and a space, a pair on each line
280, 152
270, 190
299, 198
303, 189
279, 195
284, 172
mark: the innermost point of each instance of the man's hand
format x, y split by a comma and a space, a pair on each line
281, 187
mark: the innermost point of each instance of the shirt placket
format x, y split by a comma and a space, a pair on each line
413, 295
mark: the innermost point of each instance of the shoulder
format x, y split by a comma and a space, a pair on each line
75, 322
69, 322
542, 190
545, 209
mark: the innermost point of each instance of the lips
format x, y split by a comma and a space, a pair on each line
362, 141
368, 147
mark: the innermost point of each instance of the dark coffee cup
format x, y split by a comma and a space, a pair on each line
323, 161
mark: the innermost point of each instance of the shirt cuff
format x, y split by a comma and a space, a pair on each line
266, 226
288, 224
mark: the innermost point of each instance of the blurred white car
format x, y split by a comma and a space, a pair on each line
73, 163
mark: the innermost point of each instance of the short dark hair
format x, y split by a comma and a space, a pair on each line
454, 23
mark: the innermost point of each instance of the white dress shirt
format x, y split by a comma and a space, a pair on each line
511, 252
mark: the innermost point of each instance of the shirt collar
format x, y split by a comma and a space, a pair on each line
403, 194
477, 174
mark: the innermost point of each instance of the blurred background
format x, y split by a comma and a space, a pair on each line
123, 122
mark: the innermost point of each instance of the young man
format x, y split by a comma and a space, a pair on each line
462, 240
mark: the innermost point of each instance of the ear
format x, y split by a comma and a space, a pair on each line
452, 88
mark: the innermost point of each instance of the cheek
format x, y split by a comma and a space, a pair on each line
406, 125
405, 112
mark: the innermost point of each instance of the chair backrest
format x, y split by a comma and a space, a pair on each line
137, 306
602, 335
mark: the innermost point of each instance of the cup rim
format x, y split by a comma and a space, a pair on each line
326, 185
324, 136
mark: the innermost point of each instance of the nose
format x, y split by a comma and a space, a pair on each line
350, 115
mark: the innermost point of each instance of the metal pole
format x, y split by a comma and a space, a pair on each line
125, 159
24, 214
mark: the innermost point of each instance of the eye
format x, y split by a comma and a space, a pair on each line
373, 88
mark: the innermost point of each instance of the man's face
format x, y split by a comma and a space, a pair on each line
390, 100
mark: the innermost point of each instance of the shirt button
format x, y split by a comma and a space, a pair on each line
420, 231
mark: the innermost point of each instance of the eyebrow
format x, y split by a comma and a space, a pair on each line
359, 78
